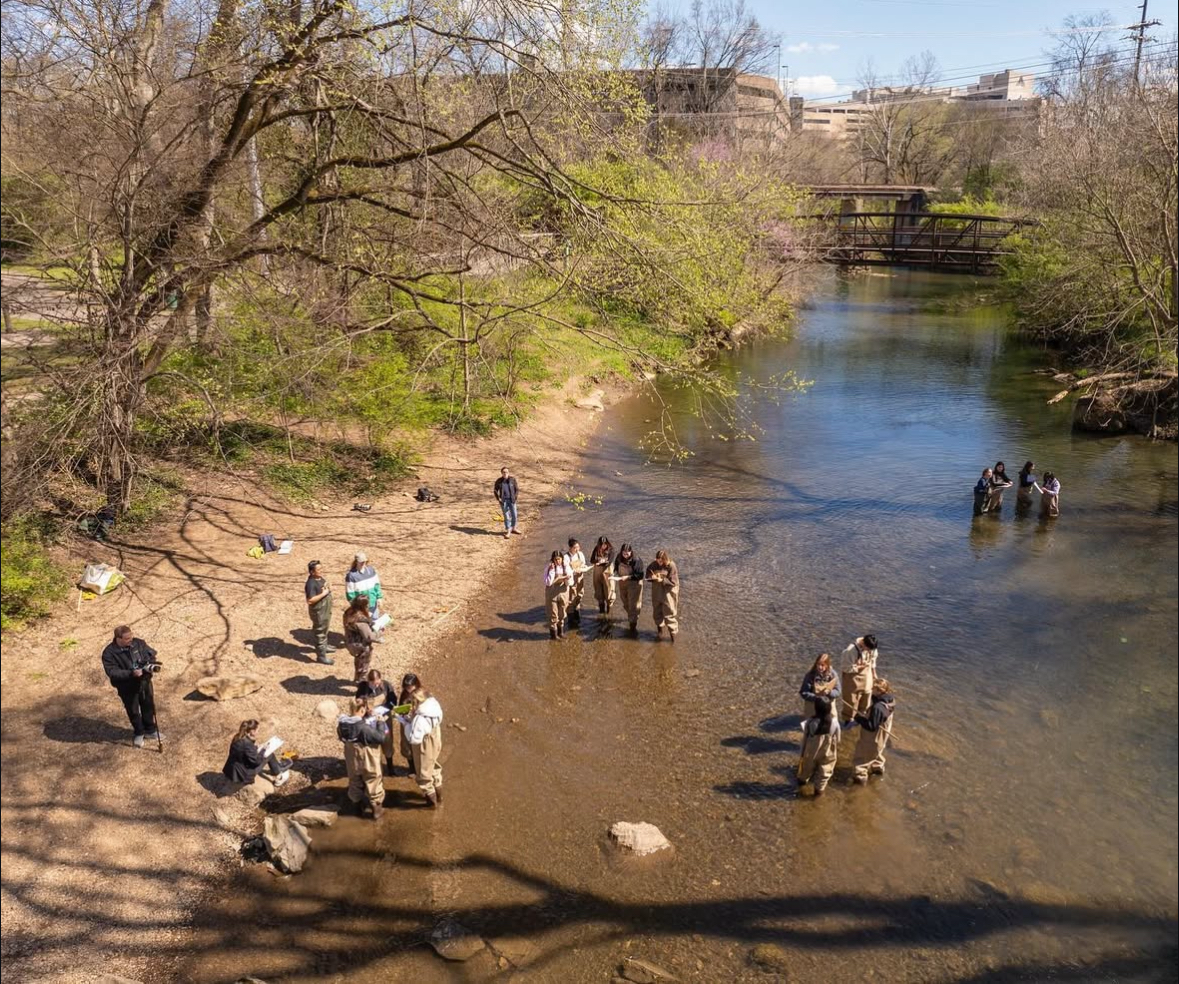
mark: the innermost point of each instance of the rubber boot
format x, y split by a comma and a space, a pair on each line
438, 794
432, 800
552, 633
378, 811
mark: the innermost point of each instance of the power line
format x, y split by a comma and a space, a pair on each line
1140, 27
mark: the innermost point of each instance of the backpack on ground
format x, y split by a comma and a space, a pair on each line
266, 541
425, 495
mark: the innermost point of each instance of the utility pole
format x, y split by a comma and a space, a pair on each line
1139, 37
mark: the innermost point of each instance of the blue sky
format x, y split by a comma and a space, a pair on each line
825, 44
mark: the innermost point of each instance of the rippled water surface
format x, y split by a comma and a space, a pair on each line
1027, 826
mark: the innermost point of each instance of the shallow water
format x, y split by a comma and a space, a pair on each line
1026, 829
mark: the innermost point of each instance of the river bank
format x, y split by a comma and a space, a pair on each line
109, 851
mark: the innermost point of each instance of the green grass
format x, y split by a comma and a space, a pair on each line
33, 583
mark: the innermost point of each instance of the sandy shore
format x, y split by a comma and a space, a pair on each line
107, 850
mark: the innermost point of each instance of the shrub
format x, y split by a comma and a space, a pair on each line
32, 581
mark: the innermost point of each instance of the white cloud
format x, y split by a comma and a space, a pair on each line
816, 85
806, 48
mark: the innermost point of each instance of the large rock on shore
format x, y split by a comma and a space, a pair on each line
317, 816
639, 838
287, 842
452, 940
327, 709
253, 793
229, 687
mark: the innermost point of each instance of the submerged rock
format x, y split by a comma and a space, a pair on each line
643, 972
452, 940
287, 843
229, 687
639, 838
770, 956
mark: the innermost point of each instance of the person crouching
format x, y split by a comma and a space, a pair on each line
820, 746
423, 731
363, 736
246, 759
875, 730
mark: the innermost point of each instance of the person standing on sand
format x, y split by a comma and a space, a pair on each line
557, 576
319, 605
875, 730
129, 664
860, 672
602, 558
575, 560
362, 579
506, 493
378, 693
363, 735
820, 681
359, 635
628, 575
665, 594
820, 746
423, 731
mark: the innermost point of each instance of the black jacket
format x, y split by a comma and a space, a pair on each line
119, 662
506, 489
245, 761
633, 567
360, 733
596, 557
382, 693
878, 713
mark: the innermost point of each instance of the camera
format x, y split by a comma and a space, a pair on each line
147, 665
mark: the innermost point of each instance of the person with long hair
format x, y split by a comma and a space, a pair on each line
999, 484
820, 746
1026, 483
358, 635
859, 673
423, 730
1049, 496
362, 579
982, 492
602, 557
821, 681
557, 575
875, 730
409, 685
247, 759
665, 594
575, 560
363, 735
377, 691
628, 575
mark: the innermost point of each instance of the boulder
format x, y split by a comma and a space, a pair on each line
639, 838
643, 972
229, 687
771, 957
253, 793
518, 951
287, 843
592, 402
317, 816
453, 941
327, 709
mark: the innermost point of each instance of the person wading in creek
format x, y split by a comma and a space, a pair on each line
557, 577
1049, 496
821, 681
1026, 484
860, 662
665, 594
999, 484
423, 731
602, 558
129, 664
378, 693
875, 730
363, 736
820, 746
982, 492
575, 560
319, 606
628, 574
507, 492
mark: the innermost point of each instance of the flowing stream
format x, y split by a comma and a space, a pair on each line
1026, 829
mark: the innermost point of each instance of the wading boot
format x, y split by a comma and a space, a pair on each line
390, 769
659, 632
552, 633
671, 634
634, 628
432, 800
438, 794
378, 811
601, 608
560, 632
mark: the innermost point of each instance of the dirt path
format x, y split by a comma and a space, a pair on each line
107, 850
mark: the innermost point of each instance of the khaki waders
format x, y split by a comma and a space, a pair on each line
365, 777
603, 586
857, 693
665, 602
556, 604
426, 767
631, 595
817, 761
869, 755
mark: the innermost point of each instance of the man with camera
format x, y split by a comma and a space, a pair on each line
130, 664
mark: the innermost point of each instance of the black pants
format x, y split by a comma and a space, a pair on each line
271, 765
140, 705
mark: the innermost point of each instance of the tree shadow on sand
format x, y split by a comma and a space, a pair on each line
86, 731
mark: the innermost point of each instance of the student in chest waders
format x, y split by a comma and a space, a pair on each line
557, 575
820, 746
363, 737
1025, 486
378, 693
1049, 496
875, 730
423, 730
665, 594
628, 572
860, 672
821, 681
319, 607
575, 560
602, 559
359, 636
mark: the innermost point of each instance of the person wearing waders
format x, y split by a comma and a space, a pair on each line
363, 735
665, 594
378, 693
362, 580
1049, 496
982, 492
409, 685
319, 606
359, 636
602, 559
820, 747
628, 574
1000, 483
820, 681
575, 561
875, 730
557, 575
129, 664
860, 662
423, 730
1025, 484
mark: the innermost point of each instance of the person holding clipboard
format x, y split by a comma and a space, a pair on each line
628, 575
248, 759
602, 559
558, 575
